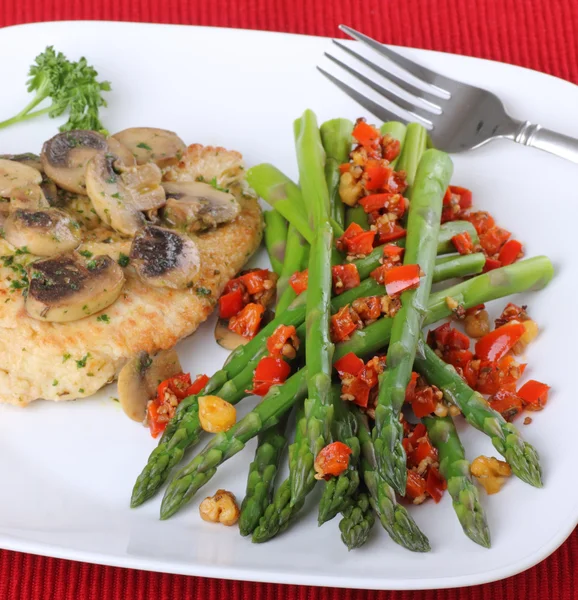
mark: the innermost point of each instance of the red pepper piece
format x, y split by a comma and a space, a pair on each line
401, 279
534, 394
270, 371
350, 364
230, 304
510, 252
345, 277
332, 460
498, 343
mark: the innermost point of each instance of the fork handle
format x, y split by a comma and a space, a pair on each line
556, 143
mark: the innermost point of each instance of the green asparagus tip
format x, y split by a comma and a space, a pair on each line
524, 461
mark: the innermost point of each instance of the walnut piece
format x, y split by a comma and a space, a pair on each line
220, 508
490, 472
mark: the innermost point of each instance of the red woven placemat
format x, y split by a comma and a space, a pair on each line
539, 34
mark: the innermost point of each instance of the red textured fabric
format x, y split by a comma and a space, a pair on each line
539, 34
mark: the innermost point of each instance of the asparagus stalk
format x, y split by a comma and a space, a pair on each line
456, 471
448, 267
296, 259
279, 513
319, 347
414, 146
393, 517
356, 522
261, 478
397, 131
431, 180
184, 429
275, 238
356, 214
226, 444
520, 455
336, 139
339, 491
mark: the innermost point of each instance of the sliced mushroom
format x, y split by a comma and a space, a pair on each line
226, 338
31, 197
139, 378
43, 232
81, 209
164, 258
65, 156
118, 198
26, 158
15, 175
66, 288
195, 206
149, 144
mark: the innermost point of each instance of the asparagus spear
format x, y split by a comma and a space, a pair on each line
339, 491
414, 146
275, 238
456, 471
447, 267
184, 430
397, 131
393, 517
296, 259
431, 180
520, 455
226, 444
336, 139
356, 522
356, 214
279, 513
261, 478
319, 347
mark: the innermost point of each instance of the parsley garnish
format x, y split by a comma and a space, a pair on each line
103, 318
144, 146
123, 260
80, 364
86, 253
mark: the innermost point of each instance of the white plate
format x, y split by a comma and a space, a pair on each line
67, 470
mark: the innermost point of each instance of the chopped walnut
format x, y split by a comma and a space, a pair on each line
490, 472
478, 324
390, 306
349, 190
220, 508
527, 420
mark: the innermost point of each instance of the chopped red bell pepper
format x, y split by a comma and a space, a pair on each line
332, 460
421, 451
197, 385
362, 243
376, 175
230, 304
390, 147
368, 309
342, 324
410, 389
493, 239
435, 484
391, 203
358, 389
534, 394
365, 134
492, 376
350, 364
269, 372
371, 371
156, 427
415, 486
481, 220
423, 402
178, 385
345, 277
463, 243
464, 194
498, 343
247, 322
392, 252
389, 231
344, 168
510, 252
419, 431
298, 281
458, 358
281, 336
491, 264
254, 281
401, 279
507, 403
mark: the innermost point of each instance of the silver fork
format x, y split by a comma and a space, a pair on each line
458, 116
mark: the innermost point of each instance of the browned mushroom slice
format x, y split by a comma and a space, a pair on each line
149, 144
65, 288
15, 175
164, 258
65, 157
195, 206
30, 197
42, 232
26, 158
139, 378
